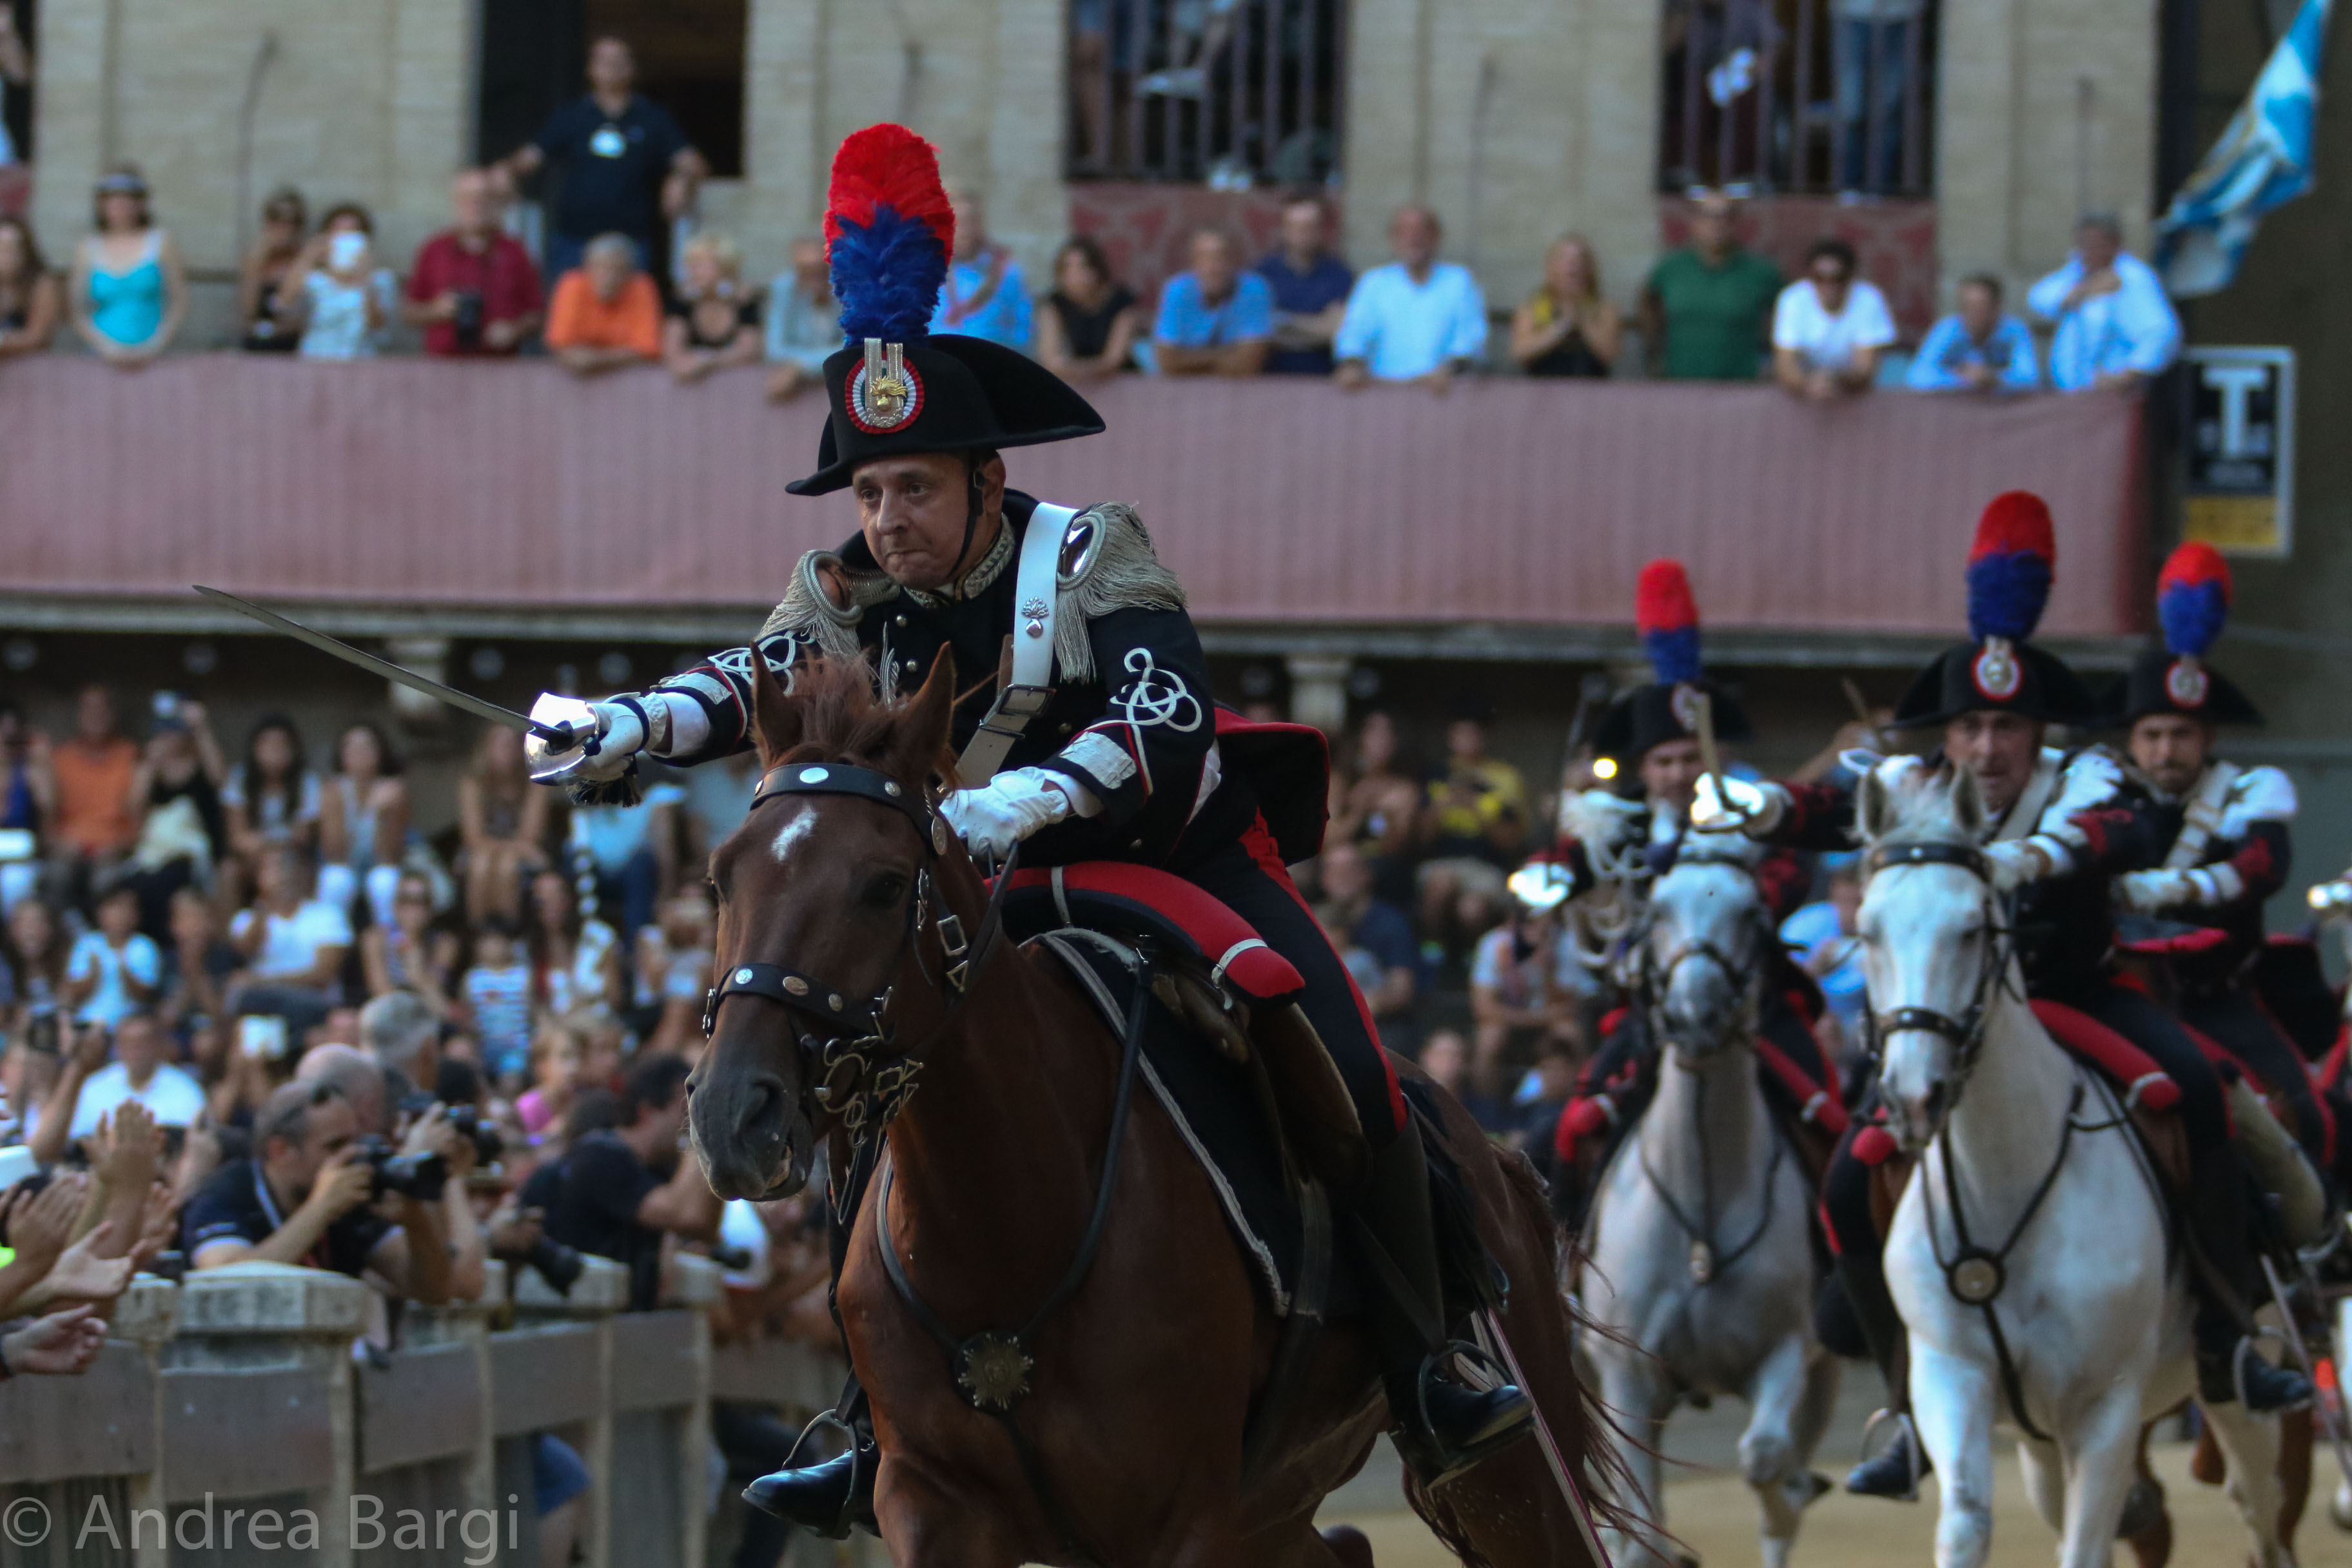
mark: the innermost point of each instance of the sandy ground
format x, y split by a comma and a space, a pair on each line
1714, 1513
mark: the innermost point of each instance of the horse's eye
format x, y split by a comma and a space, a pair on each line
885, 892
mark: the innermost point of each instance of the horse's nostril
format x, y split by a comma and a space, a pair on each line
764, 1099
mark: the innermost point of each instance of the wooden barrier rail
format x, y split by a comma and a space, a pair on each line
231, 1421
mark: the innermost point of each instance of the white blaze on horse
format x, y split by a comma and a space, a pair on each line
1697, 1252
2029, 1255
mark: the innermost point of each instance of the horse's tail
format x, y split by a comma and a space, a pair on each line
1546, 1323
1597, 1466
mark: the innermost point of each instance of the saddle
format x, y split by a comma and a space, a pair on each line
1262, 1108
2150, 1099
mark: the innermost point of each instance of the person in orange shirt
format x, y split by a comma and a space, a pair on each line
95, 823
606, 313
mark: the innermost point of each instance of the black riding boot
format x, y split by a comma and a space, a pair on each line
1446, 1426
1895, 1471
2224, 1220
826, 1497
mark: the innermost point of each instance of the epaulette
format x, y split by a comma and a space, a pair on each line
1121, 571
809, 614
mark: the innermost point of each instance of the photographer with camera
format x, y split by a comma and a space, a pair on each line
388, 1107
618, 1193
473, 289
310, 1196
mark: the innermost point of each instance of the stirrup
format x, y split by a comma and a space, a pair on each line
1435, 1461
1907, 1438
856, 1509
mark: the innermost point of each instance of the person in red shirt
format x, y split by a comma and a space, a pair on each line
474, 289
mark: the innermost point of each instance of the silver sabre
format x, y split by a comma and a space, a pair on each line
559, 737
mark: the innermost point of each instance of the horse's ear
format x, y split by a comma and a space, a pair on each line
775, 717
1876, 808
1967, 803
918, 741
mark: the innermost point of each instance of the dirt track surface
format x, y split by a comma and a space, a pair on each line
1715, 1515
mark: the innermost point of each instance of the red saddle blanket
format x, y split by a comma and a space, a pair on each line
1122, 899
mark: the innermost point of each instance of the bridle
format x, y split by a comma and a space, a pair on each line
1967, 1032
1657, 973
1708, 1262
849, 1059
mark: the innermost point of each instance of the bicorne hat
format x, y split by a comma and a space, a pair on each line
896, 389
2011, 567
1666, 709
2192, 605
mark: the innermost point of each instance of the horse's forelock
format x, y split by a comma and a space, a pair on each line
1920, 796
843, 716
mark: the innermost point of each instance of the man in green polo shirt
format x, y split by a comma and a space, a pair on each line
1706, 310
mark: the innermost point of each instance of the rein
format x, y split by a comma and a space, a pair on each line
1975, 1276
861, 1078
992, 1368
1708, 1263
865, 1081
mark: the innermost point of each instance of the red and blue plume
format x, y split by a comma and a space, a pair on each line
1667, 618
2192, 599
2009, 567
888, 232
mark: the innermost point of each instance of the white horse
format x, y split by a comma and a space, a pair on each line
2028, 1255
1697, 1253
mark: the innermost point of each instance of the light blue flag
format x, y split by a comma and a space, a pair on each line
2261, 162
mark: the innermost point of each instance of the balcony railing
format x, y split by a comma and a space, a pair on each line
432, 489
1233, 93
1807, 96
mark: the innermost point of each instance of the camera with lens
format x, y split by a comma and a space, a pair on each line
467, 318
487, 1145
557, 1264
418, 1176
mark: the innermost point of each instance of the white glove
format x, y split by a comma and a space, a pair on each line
1005, 810
1737, 806
2145, 892
601, 756
2017, 861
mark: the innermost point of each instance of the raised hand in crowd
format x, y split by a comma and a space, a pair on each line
85, 1273
62, 1344
125, 1153
87, 1054
39, 1225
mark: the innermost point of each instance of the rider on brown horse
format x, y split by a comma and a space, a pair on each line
1102, 743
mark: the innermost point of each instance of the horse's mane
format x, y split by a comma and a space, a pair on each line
843, 715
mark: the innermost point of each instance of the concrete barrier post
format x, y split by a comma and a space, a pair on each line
554, 1370
259, 1422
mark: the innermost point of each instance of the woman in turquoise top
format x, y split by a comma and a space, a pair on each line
128, 292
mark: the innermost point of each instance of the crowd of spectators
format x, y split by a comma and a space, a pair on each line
610, 298
253, 1011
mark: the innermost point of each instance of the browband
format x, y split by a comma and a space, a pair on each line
846, 778
1968, 857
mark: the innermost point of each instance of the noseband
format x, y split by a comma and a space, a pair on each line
848, 1055
1658, 974
1967, 1032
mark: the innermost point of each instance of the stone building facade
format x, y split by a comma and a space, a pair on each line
1516, 119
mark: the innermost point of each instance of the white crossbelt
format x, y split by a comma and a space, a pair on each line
2202, 818
1036, 600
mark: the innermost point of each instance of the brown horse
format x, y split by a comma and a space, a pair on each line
1144, 1377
